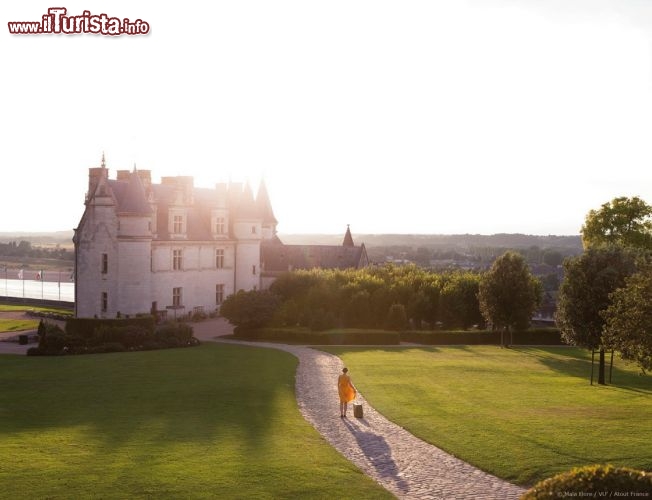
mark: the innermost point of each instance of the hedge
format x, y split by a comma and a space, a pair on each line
112, 336
534, 336
593, 481
302, 335
85, 327
328, 337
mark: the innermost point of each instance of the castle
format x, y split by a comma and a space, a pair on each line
171, 248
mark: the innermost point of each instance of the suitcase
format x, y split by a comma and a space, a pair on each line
357, 410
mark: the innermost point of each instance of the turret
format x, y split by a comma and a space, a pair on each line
265, 212
95, 175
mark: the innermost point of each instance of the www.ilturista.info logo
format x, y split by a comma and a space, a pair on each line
57, 22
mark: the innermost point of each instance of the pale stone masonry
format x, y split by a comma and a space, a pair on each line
169, 248
172, 248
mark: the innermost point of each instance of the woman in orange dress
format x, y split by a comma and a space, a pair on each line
346, 391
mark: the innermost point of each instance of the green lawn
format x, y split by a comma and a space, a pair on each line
19, 308
215, 421
17, 325
522, 413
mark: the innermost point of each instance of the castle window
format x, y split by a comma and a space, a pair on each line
253, 269
253, 229
220, 225
219, 294
176, 296
105, 263
105, 301
177, 224
219, 258
177, 260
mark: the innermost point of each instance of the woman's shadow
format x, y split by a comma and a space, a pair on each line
378, 452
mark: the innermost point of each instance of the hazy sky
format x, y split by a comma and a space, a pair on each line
394, 117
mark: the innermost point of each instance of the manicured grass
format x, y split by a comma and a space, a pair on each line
19, 308
17, 325
522, 414
214, 421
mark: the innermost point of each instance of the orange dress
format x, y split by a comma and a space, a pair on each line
345, 388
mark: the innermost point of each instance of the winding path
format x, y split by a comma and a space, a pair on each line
405, 465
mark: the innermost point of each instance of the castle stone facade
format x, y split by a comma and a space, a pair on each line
171, 248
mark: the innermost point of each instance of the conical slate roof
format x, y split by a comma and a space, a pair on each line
264, 205
130, 196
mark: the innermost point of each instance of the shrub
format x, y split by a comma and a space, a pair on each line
114, 335
397, 318
603, 480
251, 309
321, 320
198, 315
534, 336
129, 336
52, 339
302, 335
85, 327
174, 334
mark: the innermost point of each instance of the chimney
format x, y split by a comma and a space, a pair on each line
183, 186
123, 175
94, 176
145, 177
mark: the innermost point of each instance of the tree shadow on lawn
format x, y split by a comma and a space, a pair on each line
199, 394
576, 362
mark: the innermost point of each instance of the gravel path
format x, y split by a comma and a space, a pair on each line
405, 465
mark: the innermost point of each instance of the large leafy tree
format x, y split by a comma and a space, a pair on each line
628, 319
459, 300
509, 294
252, 309
622, 221
589, 279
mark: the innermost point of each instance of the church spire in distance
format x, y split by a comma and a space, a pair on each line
103, 160
348, 239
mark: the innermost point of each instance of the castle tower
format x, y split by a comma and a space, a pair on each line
112, 246
134, 242
264, 207
248, 233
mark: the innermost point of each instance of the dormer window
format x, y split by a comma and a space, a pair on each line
177, 224
220, 225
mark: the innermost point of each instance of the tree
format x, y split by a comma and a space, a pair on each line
584, 293
396, 317
623, 221
459, 300
628, 319
509, 294
553, 258
250, 310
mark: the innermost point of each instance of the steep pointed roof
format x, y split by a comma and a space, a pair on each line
264, 205
348, 239
130, 195
246, 205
